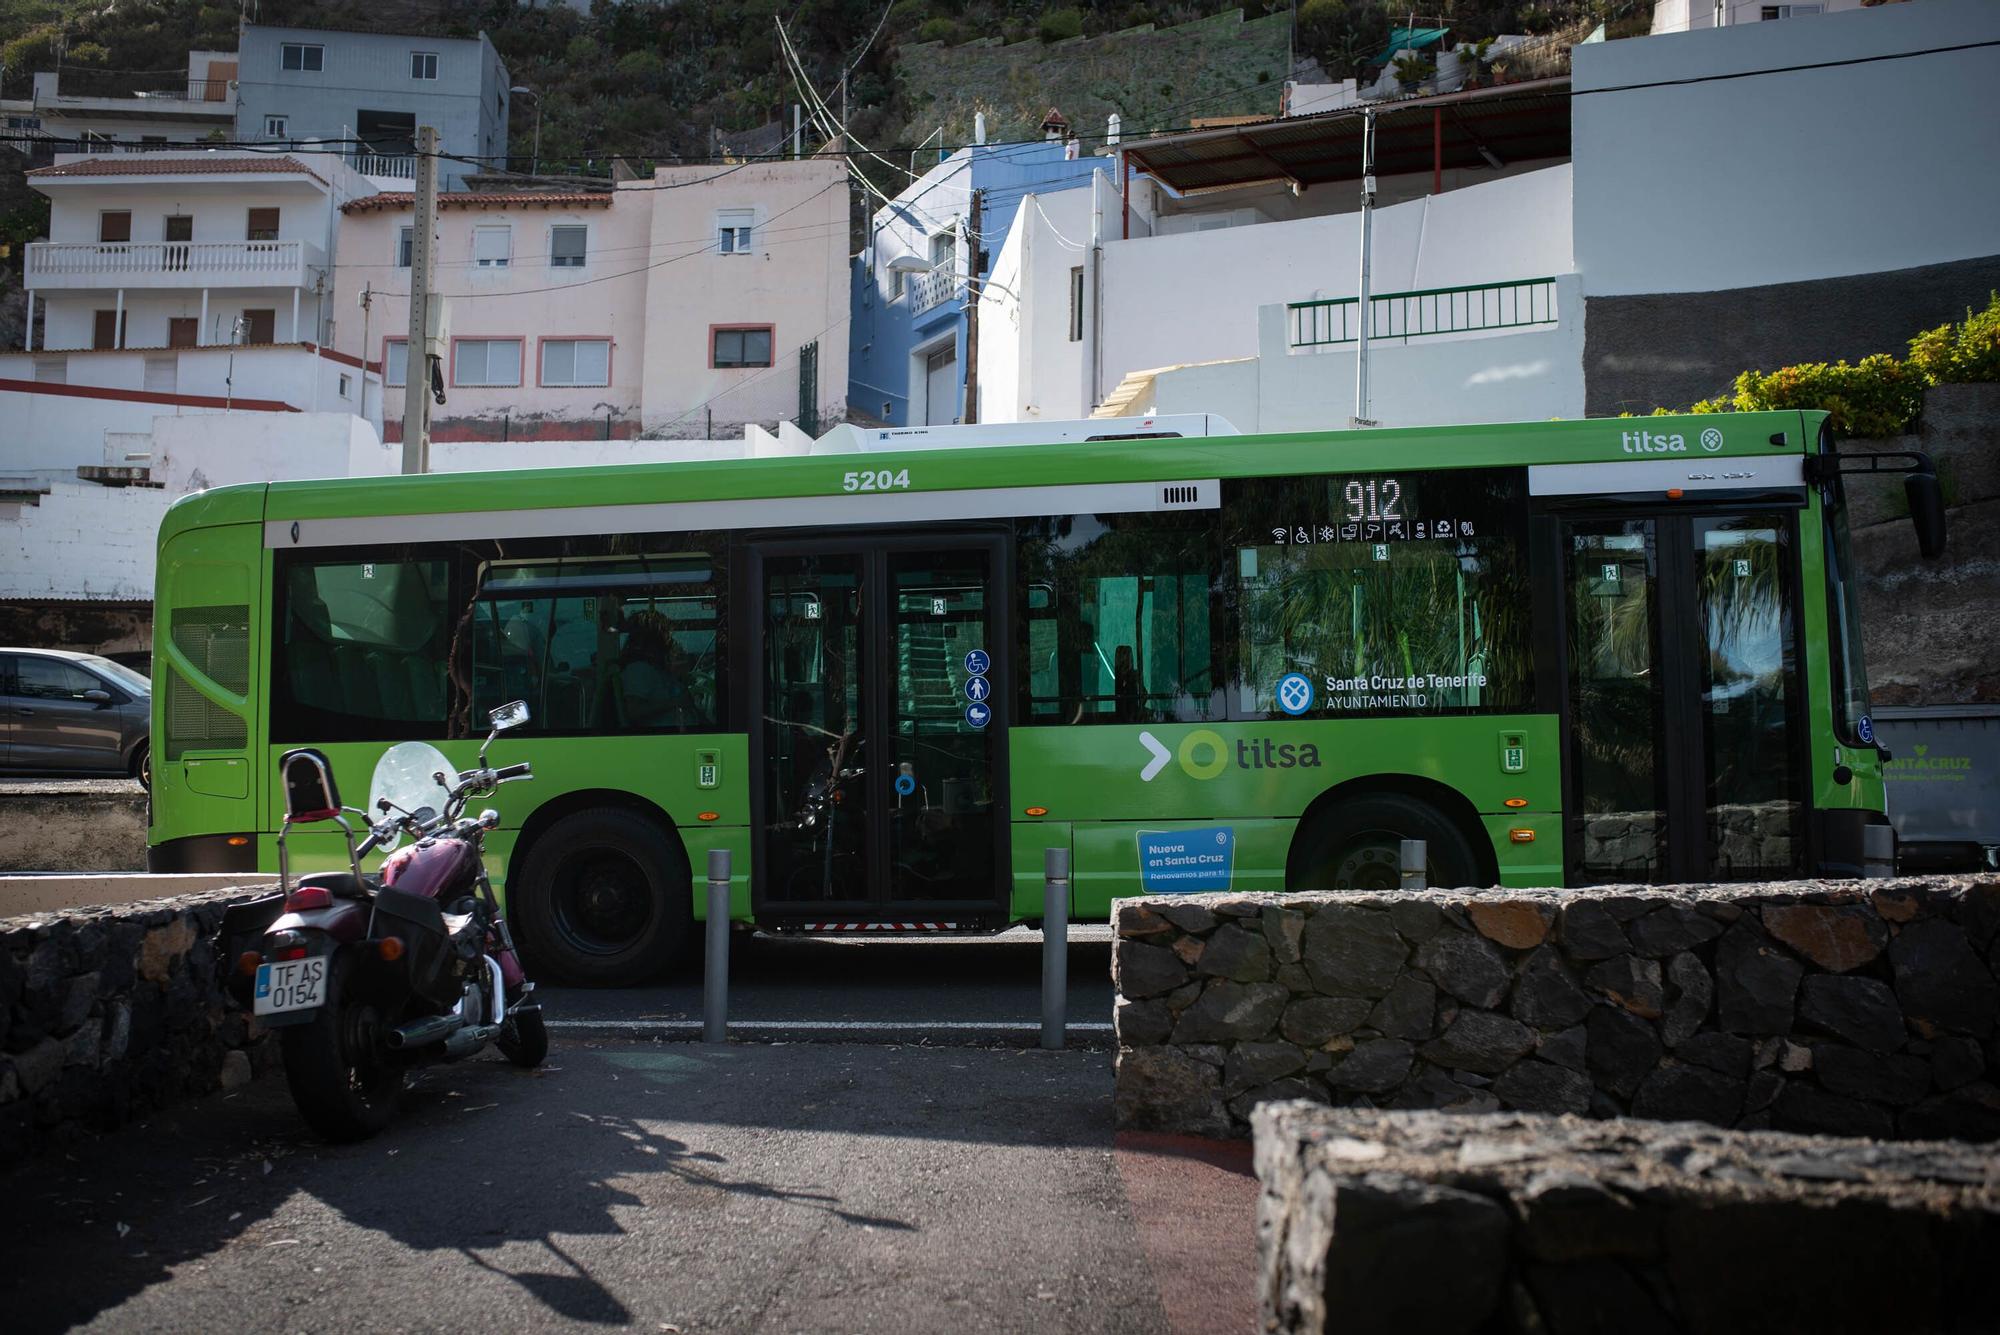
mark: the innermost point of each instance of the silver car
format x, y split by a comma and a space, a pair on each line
64, 713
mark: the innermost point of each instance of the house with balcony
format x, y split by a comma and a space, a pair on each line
687, 304
371, 90
109, 111
907, 337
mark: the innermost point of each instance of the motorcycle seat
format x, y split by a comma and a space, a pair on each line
343, 884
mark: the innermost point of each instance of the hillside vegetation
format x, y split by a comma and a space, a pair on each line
655, 81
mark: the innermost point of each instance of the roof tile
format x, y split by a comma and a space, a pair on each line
153, 164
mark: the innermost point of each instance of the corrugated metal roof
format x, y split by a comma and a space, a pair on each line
1514, 123
155, 164
481, 199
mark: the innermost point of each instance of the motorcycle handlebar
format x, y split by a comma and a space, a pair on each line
521, 771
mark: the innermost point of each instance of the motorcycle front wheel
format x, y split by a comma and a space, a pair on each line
342, 1078
525, 1039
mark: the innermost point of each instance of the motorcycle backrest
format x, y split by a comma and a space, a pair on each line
310, 793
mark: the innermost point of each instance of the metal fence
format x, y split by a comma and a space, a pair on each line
1439, 310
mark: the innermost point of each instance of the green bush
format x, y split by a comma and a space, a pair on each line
1879, 396
939, 29
1059, 25
1962, 353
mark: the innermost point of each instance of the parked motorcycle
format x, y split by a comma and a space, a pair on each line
369, 975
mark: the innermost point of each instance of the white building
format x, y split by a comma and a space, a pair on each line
114, 111
1533, 255
1691, 15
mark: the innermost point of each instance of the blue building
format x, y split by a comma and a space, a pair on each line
907, 325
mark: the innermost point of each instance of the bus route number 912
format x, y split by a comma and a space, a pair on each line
887, 479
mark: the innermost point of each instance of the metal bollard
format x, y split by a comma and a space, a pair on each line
1055, 945
1878, 851
715, 968
1415, 861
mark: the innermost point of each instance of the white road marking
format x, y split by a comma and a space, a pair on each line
833, 1026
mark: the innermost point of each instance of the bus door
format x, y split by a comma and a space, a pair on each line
877, 722
1682, 708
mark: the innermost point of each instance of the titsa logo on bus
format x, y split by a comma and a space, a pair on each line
1647, 442
1204, 753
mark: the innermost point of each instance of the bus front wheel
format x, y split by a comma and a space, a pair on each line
1357, 845
604, 900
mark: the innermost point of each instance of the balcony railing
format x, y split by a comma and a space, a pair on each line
1439, 310
170, 263
400, 166
933, 289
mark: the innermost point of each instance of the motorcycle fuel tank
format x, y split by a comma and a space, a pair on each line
432, 867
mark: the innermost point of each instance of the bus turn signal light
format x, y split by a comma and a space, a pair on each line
1517, 802
1035, 811
238, 841
708, 815
1521, 836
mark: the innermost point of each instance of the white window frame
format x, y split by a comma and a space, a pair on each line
569, 261
501, 261
421, 61
575, 381
735, 230
395, 369
277, 127
486, 378
312, 57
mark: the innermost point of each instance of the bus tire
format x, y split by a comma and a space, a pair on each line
604, 900
1356, 845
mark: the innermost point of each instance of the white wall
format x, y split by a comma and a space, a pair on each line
88, 541
1682, 15
1195, 297
1517, 376
1028, 367
1763, 171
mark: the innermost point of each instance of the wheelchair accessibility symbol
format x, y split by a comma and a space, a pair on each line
1295, 693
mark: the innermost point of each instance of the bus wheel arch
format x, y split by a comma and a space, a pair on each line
1409, 805
599, 890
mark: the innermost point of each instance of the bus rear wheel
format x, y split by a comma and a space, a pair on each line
1357, 845
604, 900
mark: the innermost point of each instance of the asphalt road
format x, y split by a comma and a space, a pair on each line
652, 1186
940, 989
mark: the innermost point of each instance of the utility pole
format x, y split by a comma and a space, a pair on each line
971, 413
416, 358
1361, 417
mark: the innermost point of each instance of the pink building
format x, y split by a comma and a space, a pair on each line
676, 307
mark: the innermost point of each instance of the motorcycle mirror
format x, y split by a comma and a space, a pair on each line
510, 715
310, 793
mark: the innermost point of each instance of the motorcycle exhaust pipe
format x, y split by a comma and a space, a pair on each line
421, 1033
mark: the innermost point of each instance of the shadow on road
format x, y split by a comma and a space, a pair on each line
495, 1173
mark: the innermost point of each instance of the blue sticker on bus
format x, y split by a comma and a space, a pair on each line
977, 663
1295, 693
1865, 730
978, 715
977, 689
906, 784
1186, 862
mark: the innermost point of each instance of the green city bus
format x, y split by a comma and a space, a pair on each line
887, 680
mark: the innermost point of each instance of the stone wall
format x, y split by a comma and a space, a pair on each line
1391, 1222
72, 825
1855, 1008
106, 1014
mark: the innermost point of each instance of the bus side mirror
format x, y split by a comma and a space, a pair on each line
310, 793
1926, 500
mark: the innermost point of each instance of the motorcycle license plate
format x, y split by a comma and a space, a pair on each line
293, 985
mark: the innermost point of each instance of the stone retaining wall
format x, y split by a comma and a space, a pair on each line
106, 1014
72, 826
1391, 1222
1847, 1008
